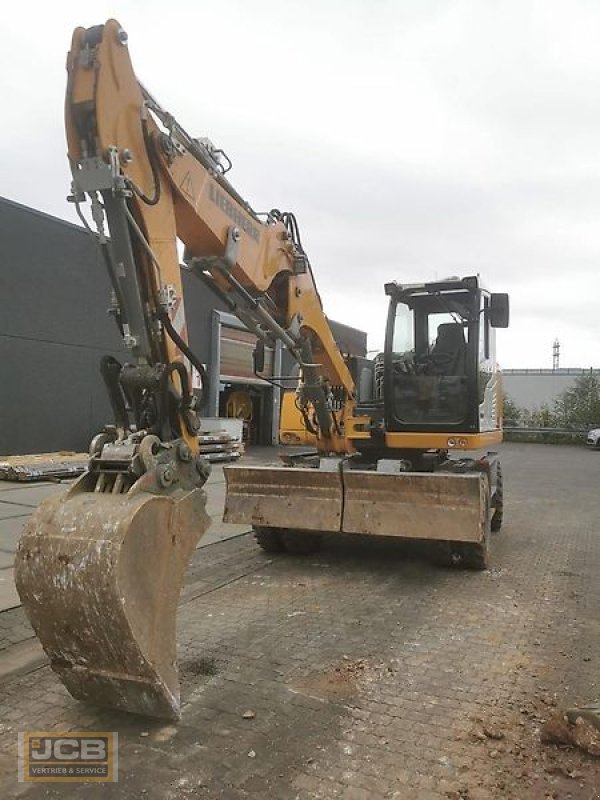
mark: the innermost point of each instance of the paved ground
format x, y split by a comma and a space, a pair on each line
370, 672
18, 500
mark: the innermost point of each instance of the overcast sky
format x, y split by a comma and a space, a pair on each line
413, 139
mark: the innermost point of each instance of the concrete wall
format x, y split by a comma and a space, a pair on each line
532, 388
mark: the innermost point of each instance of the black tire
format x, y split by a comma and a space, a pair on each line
498, 502
462, 555
444, 554
476, 556
300, 543
269, 539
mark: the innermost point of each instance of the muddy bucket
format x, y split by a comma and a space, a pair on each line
99, 576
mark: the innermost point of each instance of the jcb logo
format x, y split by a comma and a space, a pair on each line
69, 749
45, 756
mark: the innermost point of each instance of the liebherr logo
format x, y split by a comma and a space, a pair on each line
221, 200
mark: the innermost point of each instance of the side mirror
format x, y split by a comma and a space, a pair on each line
258, 356
499, 311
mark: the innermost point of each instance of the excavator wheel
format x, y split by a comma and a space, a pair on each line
475, 556
498, 502
300, 544
462, 555
269, 539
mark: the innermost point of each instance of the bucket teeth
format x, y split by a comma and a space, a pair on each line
99, 576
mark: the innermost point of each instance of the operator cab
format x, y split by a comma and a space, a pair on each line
439, 364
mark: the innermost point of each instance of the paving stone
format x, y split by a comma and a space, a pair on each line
367, 667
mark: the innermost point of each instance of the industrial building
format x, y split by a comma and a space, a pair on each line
531, 389
54, 328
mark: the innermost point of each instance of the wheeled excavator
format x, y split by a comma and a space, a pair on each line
99, 568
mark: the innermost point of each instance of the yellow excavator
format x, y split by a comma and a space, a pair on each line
99, 568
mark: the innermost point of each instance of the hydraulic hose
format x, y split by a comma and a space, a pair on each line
188, 353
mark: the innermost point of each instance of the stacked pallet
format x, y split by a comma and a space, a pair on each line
220, 439
43, 466
220, 446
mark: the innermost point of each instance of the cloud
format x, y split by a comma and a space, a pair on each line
413, 140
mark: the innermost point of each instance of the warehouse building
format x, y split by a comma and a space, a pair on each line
531, 389
54, 328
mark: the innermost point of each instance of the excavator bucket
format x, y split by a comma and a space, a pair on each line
434, 506
99, 575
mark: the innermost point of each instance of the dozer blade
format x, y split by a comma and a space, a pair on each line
99, 576
284, 497
436, 506
416, 505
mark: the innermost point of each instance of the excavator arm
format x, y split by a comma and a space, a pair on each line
99, 569
159, 184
